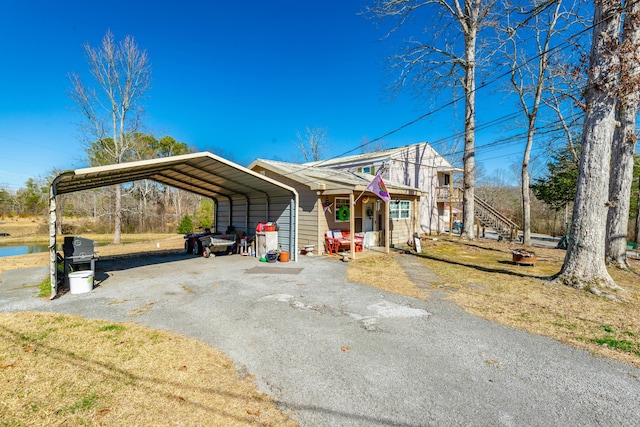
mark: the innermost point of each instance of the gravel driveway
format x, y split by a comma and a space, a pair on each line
337, 353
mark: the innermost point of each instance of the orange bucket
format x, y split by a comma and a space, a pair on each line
284, 256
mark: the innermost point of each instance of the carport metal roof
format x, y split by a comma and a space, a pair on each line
202, 173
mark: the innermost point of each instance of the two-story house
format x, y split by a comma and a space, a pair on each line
418, 166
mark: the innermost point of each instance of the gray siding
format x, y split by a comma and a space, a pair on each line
272, 209
222, 215
280, 213
307, 213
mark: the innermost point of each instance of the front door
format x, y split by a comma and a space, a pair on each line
368, 214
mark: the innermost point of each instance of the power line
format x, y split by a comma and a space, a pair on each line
561, 46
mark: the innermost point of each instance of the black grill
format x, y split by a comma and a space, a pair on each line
78, 249
78, 255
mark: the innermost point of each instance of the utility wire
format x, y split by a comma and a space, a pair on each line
561, 46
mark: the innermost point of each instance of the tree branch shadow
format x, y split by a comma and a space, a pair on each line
488, 269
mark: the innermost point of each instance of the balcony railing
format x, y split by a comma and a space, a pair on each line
444, 194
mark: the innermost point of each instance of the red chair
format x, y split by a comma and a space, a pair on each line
331, 245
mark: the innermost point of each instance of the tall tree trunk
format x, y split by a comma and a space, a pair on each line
584, 264
624, 140
526, 192
637, 230
468, 198
532, 116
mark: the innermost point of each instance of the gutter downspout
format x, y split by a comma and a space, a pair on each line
293, 222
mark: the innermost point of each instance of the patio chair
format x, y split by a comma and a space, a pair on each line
331, 245
342, 237
358, 241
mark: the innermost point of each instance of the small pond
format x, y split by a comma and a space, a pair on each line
22, 249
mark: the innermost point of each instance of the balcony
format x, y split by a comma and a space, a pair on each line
443, 194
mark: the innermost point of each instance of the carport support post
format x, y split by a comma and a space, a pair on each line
53, 262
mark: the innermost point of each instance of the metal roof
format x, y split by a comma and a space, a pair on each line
202, 173
324, 178
378, 156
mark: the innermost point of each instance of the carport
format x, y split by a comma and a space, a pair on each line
242, 197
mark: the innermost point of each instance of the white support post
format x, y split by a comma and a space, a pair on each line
352, 222
387, 229
53, 262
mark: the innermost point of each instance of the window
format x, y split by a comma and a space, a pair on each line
400, 209
447, 178
341, 209
371, 170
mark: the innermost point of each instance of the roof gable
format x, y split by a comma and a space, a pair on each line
421, 153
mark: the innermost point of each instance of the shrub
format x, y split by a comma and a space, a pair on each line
186, 225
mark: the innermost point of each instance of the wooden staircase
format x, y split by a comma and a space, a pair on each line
490, 217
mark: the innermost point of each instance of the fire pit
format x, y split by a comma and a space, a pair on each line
523, 257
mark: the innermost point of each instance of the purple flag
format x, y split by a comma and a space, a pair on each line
378, 188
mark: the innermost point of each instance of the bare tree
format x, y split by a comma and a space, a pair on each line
528, 78
584, 264
624, 139
367, 146
312, 145
449, 55
111, 106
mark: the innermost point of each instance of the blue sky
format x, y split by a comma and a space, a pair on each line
237, 77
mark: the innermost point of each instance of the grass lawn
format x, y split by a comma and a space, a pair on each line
66, 370
481, 278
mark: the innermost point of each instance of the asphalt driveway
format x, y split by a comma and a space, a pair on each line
337, 353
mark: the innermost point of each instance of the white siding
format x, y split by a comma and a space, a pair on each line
417, 166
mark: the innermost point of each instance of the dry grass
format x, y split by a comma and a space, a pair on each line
65, 370
481, 278
383, 272
22, 228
